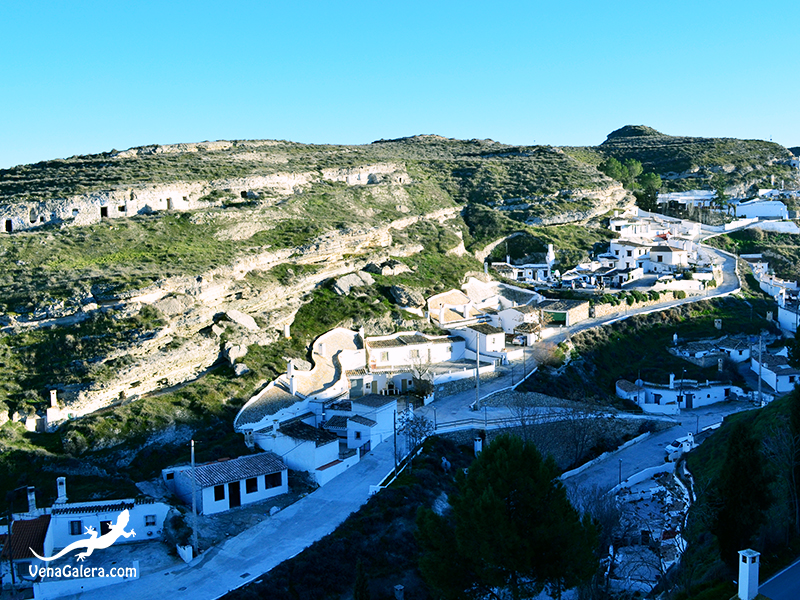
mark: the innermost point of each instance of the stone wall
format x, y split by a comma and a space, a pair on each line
604, 310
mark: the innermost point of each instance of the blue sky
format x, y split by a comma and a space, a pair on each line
85, 77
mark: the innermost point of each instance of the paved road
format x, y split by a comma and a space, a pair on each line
650, 452
247, 556
783, 586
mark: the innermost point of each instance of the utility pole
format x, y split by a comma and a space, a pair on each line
620, 471
394, 426
194, 506
478, 371
760, 398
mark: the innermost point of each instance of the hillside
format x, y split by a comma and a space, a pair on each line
691, 162
124, 273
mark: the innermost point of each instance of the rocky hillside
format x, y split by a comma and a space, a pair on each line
127, 273
693, 162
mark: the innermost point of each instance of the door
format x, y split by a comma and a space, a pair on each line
105, 527
234, 494
689, 401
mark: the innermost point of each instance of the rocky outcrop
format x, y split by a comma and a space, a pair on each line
406, 297
344, 284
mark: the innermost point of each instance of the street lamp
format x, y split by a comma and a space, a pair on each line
434, 418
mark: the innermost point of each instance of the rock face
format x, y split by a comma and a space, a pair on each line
242, 319
234, 352
344, 284
405, 296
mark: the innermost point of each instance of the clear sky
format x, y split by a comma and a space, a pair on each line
83, 77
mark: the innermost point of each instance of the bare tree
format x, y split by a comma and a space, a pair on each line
415, 428
422, 374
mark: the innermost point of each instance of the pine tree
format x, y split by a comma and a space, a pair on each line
512, 528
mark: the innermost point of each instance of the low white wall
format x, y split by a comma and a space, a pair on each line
643, 475
323, 477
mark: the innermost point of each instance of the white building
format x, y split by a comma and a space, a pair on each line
764, 209
228, 484
776, 372
539, 271
490, 340
670, 398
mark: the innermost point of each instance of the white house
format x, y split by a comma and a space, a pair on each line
690, 198
670, 398
765, 209
377, 408
538, 271
628, 251
665, 259
453, 309
228, 484
788, 314
488, 339
510, 319
776, 372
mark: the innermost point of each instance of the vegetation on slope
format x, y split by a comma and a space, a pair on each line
780, 250
637, 348
697, 160
734, 512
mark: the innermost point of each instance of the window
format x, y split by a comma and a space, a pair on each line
75, 527
630, 253
619, 227
121, 208
219, 493
149, 520
251, 485
660, 258
273, 480
170, 476
414, 353
384, 357
358, 435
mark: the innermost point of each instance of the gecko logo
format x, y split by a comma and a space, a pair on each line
94, 542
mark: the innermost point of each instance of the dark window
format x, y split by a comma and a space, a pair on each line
149, 520
273, 480
358, 435
75, 527
103, 212
660, 258
251, 485
121, 208
219, 493
629, 253
170, 476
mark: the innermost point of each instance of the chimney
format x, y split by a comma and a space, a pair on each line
719, 365
465, 310
61, 489
399, 592
674, 339
478, 445
290, 369
748, 574
508, 258
53, 398
672, 381
486, 268
286, 332
441, 316
31, 499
